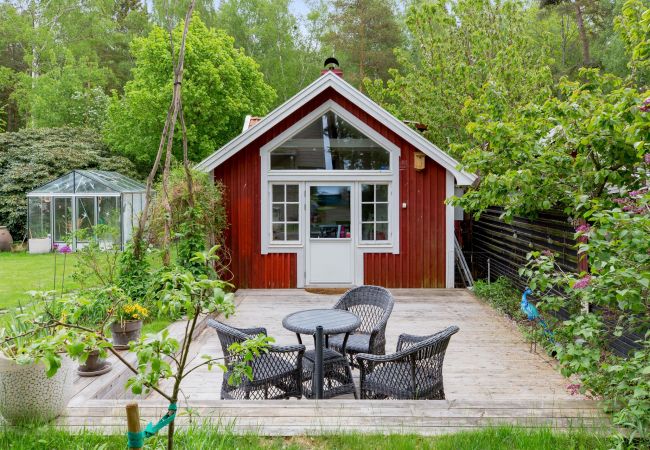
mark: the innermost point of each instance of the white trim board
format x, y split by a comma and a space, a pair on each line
330, 80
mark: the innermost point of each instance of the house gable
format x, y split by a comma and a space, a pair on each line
331, 86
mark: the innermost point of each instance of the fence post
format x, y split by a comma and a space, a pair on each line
133, 420
489, 274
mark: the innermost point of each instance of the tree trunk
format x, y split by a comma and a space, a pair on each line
584, 39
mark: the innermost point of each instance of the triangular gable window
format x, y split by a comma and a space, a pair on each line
330, 143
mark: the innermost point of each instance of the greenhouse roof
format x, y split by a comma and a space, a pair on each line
90, 182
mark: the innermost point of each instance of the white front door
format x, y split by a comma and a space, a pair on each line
330, 240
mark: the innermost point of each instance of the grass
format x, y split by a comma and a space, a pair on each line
21, 272
210, 437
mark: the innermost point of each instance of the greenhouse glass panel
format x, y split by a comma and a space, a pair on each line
86, 184
108, 213
63, 185
39, 217
85, 216
127, 216
62, 218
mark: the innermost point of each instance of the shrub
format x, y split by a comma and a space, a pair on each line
501, 294
32, 157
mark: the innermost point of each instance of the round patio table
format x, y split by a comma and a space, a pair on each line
333, 321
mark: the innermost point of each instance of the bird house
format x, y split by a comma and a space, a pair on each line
419, 161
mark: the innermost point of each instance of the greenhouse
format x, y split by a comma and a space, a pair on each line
60, 210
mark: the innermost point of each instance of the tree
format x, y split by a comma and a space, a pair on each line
33, 157
566, 152
270, 34
68, 95
221, 85
634, 26
461, 51
363, 35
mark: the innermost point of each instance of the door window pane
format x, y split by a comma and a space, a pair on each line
329, 216
374, 212
285, 212
85, 217
108, 214
62, 218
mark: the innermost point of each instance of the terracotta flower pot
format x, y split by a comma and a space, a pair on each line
94, 365
27, 394
5, 240
125, 332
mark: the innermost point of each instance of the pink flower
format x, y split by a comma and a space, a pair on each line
583, 282
574, 389
620, 201
646, 158
547, 252
645, 107
65, 249
583, 228
55, 246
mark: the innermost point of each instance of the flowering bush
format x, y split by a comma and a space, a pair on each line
612, 298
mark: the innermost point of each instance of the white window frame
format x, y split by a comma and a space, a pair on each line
374, 221
301, 177
285, 222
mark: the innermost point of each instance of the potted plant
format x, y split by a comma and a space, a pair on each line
35, 377
127, 326
89, 309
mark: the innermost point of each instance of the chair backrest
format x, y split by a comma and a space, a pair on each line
227, 336
430, 351
372, 304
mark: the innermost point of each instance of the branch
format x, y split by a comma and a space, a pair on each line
200, 365
114, 352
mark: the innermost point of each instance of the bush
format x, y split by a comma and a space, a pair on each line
501, 294
32, 157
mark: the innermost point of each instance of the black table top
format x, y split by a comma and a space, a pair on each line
333, 321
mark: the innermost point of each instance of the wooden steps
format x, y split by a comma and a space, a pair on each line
296, 417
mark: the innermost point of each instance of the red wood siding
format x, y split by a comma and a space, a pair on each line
421, 262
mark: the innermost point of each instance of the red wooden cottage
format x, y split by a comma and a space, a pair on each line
331, 190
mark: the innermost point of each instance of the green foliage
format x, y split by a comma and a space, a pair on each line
363, 35
558, 153
134, 275
68, 95
462, 51
269, 33
97, 259
220, 86
501, 294
205, 435
634, 27
617, 243
61, 57
31, 158
196, 226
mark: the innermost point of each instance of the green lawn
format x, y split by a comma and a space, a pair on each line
210, 438
21, 272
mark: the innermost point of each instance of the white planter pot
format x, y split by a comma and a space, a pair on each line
41, 245
27, 394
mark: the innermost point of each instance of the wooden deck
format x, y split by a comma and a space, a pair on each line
490, 377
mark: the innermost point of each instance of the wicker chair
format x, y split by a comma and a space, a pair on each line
373, 305
276, 374
414, 372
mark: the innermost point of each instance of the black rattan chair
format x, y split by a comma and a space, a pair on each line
277, 373
373, 305
414, 372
